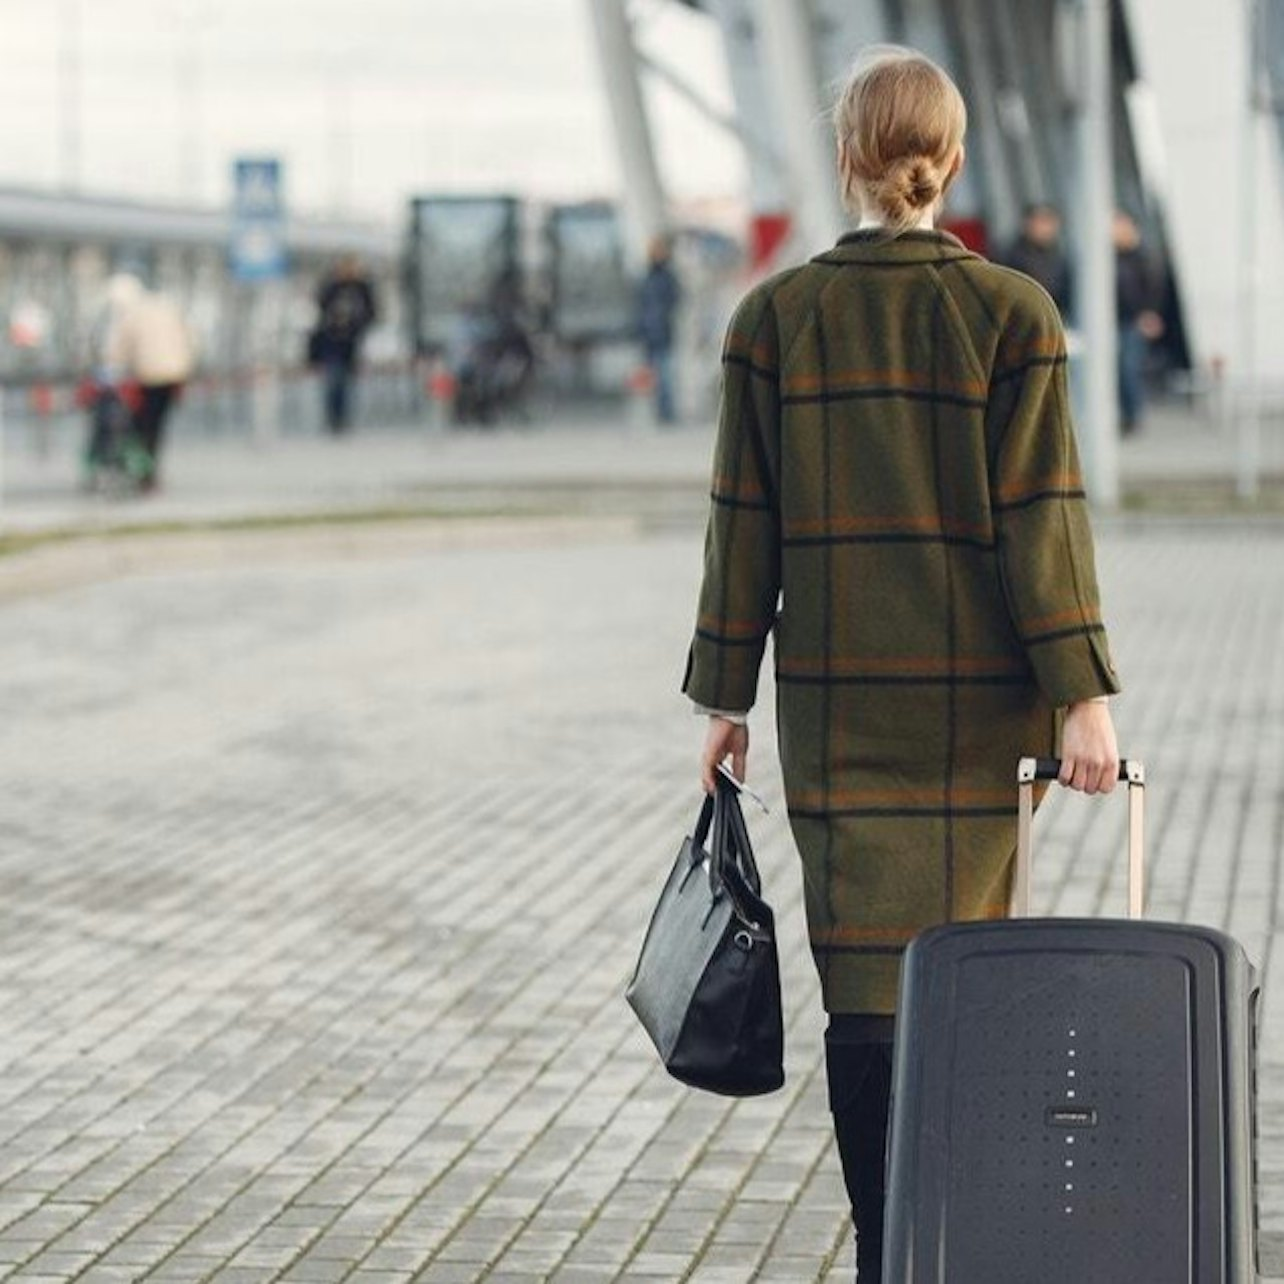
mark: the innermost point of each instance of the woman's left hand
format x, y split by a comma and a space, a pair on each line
723, 740
1089, 752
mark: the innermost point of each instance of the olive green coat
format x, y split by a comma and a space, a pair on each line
897, 497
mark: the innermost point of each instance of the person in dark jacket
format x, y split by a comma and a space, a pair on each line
1137, 288
897, 500
346, 310
658, 298
1037, 252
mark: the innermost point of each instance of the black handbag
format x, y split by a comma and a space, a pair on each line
315, 347
707, 983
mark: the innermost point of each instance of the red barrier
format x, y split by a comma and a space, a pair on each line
441, 385
40, 397
641, 381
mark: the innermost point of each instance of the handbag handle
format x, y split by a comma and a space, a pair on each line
723, 800
700, 833
732, 868
738, 834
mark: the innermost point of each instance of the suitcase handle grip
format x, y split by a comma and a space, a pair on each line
1050, 769
1031, 769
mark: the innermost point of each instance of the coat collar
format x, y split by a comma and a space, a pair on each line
873, 245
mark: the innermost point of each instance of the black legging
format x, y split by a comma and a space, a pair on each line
149, 422
858, 1063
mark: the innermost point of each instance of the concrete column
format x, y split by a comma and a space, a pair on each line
768, 185
1014, 107
988, 152
1095, 275
789, 61
923, 27
644, 202
1248, 419
1200, 69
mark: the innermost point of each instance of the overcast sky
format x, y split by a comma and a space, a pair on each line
367, 101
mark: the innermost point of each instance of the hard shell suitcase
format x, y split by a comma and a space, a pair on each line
1073, 1099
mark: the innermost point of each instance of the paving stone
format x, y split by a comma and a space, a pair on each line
315, 1270
63, 1264
441, 1272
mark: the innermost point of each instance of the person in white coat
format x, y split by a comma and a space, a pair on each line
149, 343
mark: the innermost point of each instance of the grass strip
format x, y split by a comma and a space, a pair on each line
17, 542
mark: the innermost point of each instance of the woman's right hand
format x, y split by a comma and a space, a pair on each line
723, 740
1089, 751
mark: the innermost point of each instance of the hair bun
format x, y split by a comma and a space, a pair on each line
915, 180
907, 186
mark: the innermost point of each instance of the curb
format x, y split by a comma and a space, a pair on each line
81, 559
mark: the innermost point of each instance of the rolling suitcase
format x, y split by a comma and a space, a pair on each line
1073, 1099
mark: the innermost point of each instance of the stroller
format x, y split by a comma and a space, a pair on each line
115, 461
493, 363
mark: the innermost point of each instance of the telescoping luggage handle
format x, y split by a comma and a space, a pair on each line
1031, 769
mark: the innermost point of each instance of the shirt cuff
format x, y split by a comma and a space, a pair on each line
728, 715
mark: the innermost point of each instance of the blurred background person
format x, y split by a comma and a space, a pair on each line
346, 309
150, 345
658, 298
1037, 252
1137, 301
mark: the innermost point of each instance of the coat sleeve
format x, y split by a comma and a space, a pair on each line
1040, 512
738, 597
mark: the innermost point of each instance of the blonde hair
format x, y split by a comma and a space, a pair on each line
899, 122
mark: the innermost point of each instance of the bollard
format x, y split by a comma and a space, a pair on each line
1221, 409
441, 388
641, 388
265, 405
40, 399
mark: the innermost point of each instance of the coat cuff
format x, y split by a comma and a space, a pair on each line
1075, 668
719, 676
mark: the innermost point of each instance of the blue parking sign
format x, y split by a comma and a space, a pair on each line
258, 220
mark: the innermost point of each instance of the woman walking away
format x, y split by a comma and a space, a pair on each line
897, 497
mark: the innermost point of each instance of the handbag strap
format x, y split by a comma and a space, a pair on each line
720, 837
732, 869
739, 836
703, 822
735, 851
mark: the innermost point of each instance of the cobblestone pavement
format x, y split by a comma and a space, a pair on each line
319, 883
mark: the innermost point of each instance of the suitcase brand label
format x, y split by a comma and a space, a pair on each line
1070, 1117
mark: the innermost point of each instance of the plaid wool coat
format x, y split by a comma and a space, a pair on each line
897, 498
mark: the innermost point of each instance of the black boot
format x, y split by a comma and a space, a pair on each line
860, 1084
